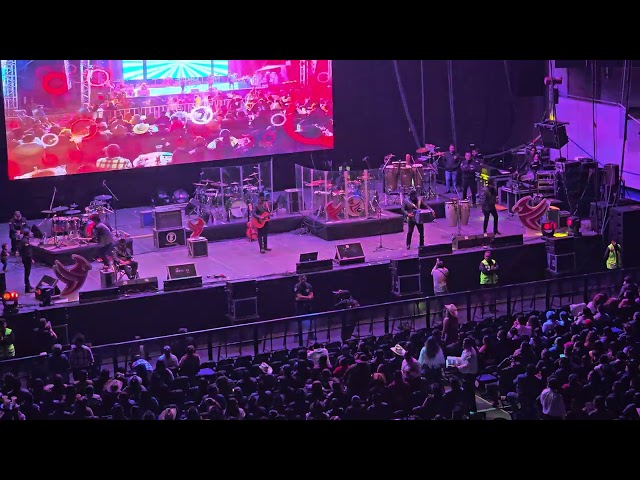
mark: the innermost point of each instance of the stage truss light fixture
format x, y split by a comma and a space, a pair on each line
548, 229
574, 224
10, 302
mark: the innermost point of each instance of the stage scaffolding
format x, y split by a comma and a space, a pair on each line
9, 86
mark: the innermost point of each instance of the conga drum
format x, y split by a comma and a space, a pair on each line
406, 176
391, 178
451, 213
465, 210
418, 174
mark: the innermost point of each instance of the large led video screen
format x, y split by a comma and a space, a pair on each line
67, 117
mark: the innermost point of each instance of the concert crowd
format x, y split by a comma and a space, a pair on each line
579, 362
278, 118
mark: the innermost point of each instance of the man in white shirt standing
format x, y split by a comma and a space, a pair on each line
169, 359
440, 276
469, 370
553, 407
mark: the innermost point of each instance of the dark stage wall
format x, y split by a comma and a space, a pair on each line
370, 121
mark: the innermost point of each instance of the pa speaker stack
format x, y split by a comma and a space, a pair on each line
623, 227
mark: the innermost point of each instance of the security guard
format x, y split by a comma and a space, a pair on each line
613, 256
7, 350
488, 269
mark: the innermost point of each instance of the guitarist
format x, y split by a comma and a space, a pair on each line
409, 207
261, 215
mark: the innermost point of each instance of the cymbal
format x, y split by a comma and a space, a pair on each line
219, 184
212, 190
247, 179
97, 203
103, 198
322, 192
206, 180
316, 183
439, 154
60, 209
199, 184
72, 212
254, 174
74, 205
48, 212
422, 150
233, 184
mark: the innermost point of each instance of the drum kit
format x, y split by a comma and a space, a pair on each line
341, 203
68, 225
217, 200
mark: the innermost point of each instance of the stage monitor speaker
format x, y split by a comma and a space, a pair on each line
99, 295
107, 278
3, 282
507, 241
405, 266
471, 241
50, 281
314, 266
242, 289
170, 237
138, 285
182, 283
611, 175
623, 222
308, 257
553, 135
198, 247
184, 270
433, 250
166, 218
349, 253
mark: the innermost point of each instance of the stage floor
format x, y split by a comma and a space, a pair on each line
239, 259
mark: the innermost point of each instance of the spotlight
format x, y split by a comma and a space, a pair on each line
44, 293
548, 229
10, 302
574, 224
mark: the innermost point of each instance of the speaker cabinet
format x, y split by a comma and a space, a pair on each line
198, 247
164, 219
433, 250
553, 135
45, 280
242, 289
170, 237
99, 295
349, 253
242, 300
182, 283
611, 175
138, 285
507, 241
565, 263
314, 266
405, 266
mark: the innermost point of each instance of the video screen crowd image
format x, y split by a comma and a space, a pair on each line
66, 117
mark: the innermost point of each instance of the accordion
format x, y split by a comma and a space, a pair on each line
425, 215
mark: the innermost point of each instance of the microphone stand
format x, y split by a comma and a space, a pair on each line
115, 210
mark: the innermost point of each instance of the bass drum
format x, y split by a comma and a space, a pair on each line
237, 208
86, 229
355, 206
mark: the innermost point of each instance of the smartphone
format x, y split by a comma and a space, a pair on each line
562, 355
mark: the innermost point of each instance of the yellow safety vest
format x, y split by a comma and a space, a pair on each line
612, 259
488, 278
7, 351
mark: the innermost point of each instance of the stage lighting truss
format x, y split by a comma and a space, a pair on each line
202, 115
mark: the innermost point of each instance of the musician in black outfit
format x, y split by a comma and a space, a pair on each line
258, 209
489, 207
124, 259
409, 207
469, 168
102, 234
26, 253
16, 225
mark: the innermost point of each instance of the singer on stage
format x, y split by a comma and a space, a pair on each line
409, 207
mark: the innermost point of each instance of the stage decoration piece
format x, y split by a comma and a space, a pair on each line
91, 77
278, 119
334, 210
323, 77
73, 277
196, 226
50, 139
83, 128
55, 83
530, 213
202, 115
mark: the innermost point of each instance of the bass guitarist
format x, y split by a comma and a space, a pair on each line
260, 216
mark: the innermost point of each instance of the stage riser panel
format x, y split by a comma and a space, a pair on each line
238, 229
348, 229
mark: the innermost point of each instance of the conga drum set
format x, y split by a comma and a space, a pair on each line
401, 176
457, 213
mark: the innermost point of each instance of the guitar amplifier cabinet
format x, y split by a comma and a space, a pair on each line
169, 237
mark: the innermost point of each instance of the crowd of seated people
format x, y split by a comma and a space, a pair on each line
576, 363
239, 127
